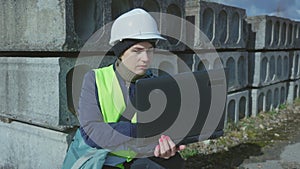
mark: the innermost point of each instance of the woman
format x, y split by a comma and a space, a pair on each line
107, 124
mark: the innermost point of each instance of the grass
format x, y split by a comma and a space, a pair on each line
248, 130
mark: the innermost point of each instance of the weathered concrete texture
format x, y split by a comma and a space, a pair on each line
170, 26
294, 91
35, 91
272, 32
268, 97
65, 25
267, 68
58, 25
297, 35
237, 106
223, 25
3, 86
235, 63
185, 62
164, 62
294, 64
25, 146
33, 25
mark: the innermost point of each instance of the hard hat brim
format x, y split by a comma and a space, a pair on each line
145, 37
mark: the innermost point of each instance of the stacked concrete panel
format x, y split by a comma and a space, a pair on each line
36, 26
294, 64
26, 146
170, 26
235, 63
165, 63
271, 64
237, 106
66, 25
223, 25
297, 35
267, 68
268, 97
294, 91
35, 91
271, 32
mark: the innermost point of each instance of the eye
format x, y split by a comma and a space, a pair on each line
138, 51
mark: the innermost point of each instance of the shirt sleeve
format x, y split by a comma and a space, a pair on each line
94, 131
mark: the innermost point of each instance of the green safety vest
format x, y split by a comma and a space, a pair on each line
110, 95
112, 102
82, 156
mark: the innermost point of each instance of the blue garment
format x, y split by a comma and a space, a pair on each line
82, 156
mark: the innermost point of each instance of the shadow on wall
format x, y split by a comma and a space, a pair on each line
74, 82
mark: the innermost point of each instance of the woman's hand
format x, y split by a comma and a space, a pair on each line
166, 148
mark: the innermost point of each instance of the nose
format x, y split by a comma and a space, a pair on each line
145, 56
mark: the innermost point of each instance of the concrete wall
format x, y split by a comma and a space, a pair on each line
65, 25
37, 109
269, 46
25, 146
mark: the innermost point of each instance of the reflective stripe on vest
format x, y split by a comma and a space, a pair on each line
111, 101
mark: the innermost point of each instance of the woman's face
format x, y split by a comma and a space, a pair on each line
138, 57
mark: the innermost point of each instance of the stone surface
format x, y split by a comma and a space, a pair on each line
35, 25
223, 25
294, 90
297, 35
271, 32
237, 106
294, 64
235, 64
65, 25
36, 91
268, 97
269, 67
165, 62
26, 146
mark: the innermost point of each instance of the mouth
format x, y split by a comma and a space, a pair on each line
143, 67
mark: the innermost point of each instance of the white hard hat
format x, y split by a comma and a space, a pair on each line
135, 24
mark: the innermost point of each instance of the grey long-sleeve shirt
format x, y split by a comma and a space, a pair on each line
95, 132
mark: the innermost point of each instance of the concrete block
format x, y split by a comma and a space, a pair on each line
50, 25
268, 97
164, 63
35, 25
65, 25
186, 62
237, 106
3, 87
294, 91
26, 146
235, 63
174, 27
223, 25
267, 68
271, 32
36, 91
294, 64
297, 35
170, 26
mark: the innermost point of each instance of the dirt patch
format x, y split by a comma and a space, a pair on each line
261, 137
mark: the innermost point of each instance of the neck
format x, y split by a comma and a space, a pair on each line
125, 73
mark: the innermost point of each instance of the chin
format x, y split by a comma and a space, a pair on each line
140, 72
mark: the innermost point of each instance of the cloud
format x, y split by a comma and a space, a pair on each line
282, 8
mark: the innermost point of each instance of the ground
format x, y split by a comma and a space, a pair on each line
269, 140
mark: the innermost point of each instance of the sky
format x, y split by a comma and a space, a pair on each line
283, 8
